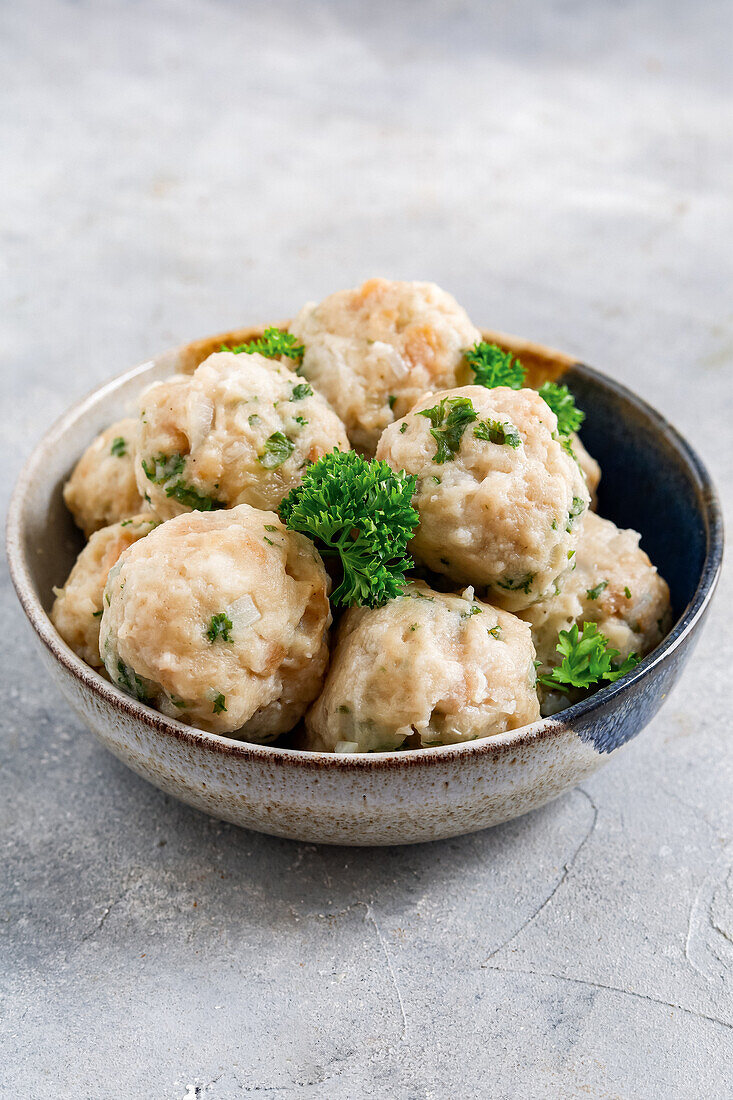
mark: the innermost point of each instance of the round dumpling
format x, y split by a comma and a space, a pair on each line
239, 430
589, 466
77, 608
375, 350
427, 668
613, 584
221, 620
102, 489
499, 497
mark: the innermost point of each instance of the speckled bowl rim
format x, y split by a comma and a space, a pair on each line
400, 758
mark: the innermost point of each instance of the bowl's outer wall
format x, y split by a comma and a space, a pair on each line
334, 805
648, 483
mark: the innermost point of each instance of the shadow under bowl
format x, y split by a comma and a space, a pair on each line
652, 481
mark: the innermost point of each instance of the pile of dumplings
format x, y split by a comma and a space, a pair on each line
192, 596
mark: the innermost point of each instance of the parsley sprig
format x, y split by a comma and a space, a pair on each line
360, 512
562, 403
272, 344
586, 660
494, 367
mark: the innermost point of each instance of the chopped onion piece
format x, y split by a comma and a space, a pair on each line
386, 353
243, 612
200, 418
346, 746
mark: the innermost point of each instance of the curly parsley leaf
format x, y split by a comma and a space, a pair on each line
278, 448
562, 403
494, 367
449, 418
272, 344
497, 431
587, 659
360, 512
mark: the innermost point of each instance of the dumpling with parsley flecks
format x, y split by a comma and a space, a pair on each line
373, 351
240, 430
77, 609
220, 619
499, 496
464, 668
102, 488
614, 585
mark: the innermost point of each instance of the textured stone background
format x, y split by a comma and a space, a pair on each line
171, 169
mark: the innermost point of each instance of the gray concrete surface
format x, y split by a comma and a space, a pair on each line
170, 169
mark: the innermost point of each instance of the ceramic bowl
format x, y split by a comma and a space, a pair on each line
652, 481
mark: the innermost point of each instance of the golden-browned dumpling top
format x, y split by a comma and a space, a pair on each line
499, 497
240, 430
220, 619
427, 668
77, 609
102, 489
615, 585
373, 351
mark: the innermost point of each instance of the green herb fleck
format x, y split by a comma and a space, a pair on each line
392, 400
520, 584
178, 702
300, 420
627, 592
594, 593
270, 527
495, 631
97, 614
278, 449
577, 508
219, 627
494, 367
253, 419
449, 418
164, 470
303, 389
130, 682
496, 431
219, 704
119, 447
343, 709
436, 479
403, 428
473, 610
162, 467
